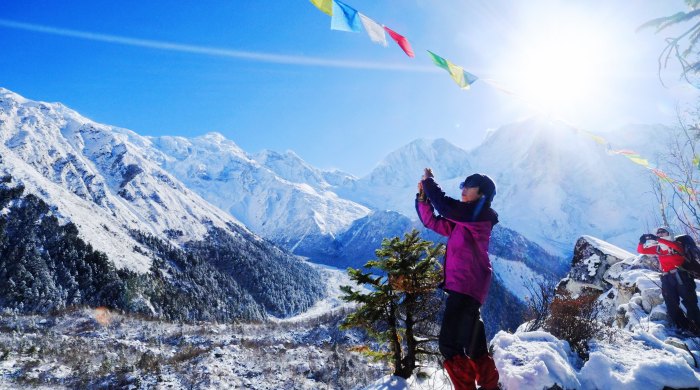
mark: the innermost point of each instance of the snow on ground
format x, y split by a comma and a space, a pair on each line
534, 360
633, 361
389, 382
432, 378
75, 350
639, 350
639, 361
89, 348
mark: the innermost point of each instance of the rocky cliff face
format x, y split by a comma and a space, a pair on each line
591, 261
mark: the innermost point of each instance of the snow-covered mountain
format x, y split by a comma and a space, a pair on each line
391, 185
108, 183
98, 176
278, 196
554, 182
178, 189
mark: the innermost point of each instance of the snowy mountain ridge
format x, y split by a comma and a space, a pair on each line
279, 197
554, 182
111, 181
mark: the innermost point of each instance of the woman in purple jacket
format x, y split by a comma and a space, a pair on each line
467, 224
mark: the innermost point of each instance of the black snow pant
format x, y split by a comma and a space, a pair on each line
676, 287
462, 332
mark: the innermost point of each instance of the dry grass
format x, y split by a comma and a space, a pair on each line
128, 352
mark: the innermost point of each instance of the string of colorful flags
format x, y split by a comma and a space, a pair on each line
640, 160
346, 18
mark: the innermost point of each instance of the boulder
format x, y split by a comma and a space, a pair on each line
591, 260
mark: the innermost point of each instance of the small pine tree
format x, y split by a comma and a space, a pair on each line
400, 309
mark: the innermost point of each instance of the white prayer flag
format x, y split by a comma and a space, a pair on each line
374, 30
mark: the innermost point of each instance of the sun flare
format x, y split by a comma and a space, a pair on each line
559, 66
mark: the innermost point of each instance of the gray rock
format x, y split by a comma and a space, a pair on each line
591, 260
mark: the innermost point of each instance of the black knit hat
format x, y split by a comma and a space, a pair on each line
486, 186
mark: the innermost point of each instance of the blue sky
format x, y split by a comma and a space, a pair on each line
271, 74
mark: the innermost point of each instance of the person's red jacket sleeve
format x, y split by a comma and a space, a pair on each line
646, 251
671, 244
652, 250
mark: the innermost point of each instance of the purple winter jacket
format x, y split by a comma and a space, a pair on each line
467, 264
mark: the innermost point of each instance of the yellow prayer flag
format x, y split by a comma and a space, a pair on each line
639, 160
598, 139
457, 73
687, 190
326, 6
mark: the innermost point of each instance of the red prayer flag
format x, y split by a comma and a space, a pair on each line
401, 40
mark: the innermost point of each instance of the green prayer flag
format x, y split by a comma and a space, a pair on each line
439, 61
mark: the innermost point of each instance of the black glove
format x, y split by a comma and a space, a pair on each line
646, 237
427, 173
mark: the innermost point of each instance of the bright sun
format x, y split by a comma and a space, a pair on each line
559, 65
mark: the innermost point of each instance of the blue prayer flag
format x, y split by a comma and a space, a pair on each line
345, 18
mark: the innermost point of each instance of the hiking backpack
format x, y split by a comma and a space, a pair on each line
691, 252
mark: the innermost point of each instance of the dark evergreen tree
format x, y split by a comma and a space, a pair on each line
401, 307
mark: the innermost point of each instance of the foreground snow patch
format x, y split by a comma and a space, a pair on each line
389, 383
534, 360
537, 360
431, 378
639, 361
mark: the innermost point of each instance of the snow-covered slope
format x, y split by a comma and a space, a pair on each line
104, 179
516, 276
556, 183
280, 196
100, 177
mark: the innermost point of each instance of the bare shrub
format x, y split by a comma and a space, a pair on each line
149, 363
189, 352
538, 303
575, 320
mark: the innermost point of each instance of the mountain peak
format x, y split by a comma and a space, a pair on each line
7, 94
406, 164
214, 136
